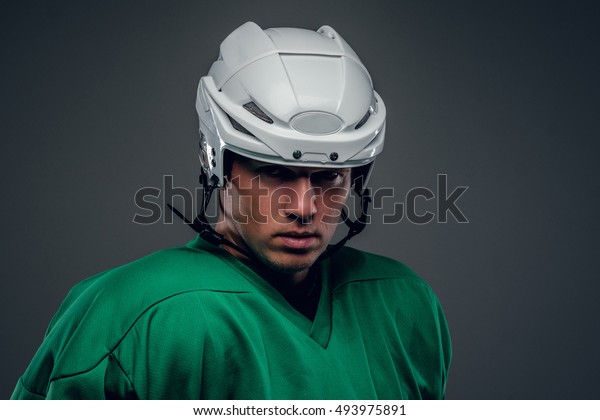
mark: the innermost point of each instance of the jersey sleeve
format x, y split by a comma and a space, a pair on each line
22, 393
104, 381
444, 342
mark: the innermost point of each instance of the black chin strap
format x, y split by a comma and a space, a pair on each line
206, 231
354, 227
201, 224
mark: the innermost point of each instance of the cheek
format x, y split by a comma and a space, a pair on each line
256, 203
331, 203
238, 207
261, 208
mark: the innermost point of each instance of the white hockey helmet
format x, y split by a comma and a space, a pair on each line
291, 97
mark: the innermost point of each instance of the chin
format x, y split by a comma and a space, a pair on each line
292, 264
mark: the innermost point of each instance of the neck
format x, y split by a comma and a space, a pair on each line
301, 289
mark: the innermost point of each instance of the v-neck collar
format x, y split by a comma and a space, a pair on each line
319, 329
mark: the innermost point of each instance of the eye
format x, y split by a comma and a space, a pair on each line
327, 177
275, 172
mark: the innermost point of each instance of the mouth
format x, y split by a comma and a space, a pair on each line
298, 240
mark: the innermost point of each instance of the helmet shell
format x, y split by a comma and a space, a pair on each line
288, 96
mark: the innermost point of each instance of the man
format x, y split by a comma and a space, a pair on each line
258, 306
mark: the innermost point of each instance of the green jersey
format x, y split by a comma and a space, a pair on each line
196, 323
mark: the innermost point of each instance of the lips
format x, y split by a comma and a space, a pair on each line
298, 239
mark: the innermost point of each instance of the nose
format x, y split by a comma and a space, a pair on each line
302, 205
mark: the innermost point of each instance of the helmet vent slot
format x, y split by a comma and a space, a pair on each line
239, 127
363, 120
257, 112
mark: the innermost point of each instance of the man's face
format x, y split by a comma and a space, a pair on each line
284, 215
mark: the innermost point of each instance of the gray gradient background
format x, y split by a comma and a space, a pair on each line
98, 101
